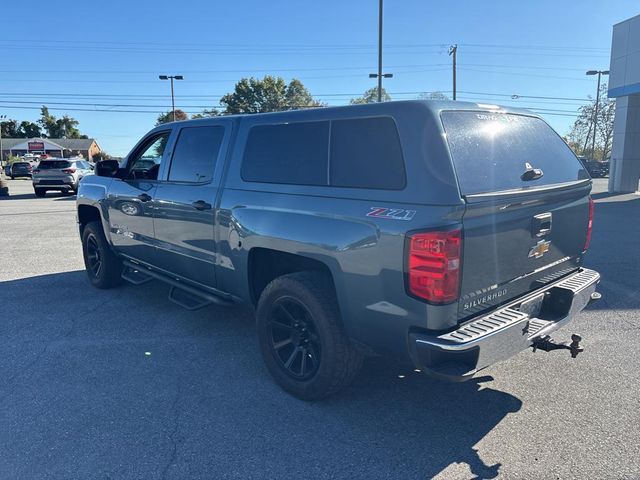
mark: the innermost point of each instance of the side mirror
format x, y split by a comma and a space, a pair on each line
107, 168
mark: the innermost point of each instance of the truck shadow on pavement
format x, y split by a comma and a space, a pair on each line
122, 383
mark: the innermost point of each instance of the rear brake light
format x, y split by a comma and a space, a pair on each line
69, 170
589, 225
434, 265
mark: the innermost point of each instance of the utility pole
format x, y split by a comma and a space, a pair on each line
379, 51
453, 52
380, 75
2, 117
173, 103
595, 110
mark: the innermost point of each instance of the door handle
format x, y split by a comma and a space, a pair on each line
201, 205
143, 197
542, 224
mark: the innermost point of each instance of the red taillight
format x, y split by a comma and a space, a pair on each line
589, 225
69, 170
434, 265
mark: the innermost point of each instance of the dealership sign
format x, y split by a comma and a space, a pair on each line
36, 146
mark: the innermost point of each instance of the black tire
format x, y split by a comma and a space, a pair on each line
12, 177
40, 192
303, 307
103, 266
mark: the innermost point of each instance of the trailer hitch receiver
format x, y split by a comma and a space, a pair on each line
547, 344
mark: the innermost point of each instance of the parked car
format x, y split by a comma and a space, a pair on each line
59, 174
449, 235
20, 169
597, 169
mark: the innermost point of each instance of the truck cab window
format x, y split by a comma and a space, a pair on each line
195, 154
145, 163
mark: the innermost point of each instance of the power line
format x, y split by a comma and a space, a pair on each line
319, 95
38, 42
229, 80
494, 72
278, 69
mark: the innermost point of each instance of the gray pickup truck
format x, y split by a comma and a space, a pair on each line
446, 234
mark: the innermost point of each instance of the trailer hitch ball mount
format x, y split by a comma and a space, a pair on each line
546, 344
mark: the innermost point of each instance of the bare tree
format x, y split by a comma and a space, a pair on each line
581, 136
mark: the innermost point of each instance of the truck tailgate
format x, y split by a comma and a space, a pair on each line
514, 246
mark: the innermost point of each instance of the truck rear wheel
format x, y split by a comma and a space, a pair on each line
301, 336
103, 266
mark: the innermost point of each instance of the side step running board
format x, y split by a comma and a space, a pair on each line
180, 293
135, 276
187, 300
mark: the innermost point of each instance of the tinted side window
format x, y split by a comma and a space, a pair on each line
194, 157
293, 153
366, 153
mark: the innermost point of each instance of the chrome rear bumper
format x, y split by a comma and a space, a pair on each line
498, 335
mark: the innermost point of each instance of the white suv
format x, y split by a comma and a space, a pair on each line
62, 174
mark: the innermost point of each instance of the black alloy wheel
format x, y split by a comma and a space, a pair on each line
94, 257
103, 266
302, 340
294, 339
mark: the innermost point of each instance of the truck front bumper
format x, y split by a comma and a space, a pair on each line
504, 332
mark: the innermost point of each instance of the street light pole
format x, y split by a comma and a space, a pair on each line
595, 110
453, 51
172, 78
380, 75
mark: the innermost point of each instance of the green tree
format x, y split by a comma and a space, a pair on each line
269, 94
206, 114
29, 129
581, 136
23, 129
168, 117
96, 157
59, 127
47, 122
10, 129
371, 96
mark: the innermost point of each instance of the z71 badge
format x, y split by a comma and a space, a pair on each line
391, 213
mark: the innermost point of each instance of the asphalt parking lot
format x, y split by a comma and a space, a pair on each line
125, 384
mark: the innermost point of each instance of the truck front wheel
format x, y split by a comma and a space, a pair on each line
301, 336
104, 269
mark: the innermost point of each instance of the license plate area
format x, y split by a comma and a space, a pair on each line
533, 306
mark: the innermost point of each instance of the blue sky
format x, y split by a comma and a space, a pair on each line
97, 55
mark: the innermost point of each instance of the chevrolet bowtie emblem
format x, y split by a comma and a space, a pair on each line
539, 249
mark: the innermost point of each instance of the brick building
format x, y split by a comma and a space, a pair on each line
55, 147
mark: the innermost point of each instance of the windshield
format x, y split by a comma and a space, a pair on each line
54, 164
490, 152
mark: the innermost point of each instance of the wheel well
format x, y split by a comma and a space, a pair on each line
265, 265
87, 214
